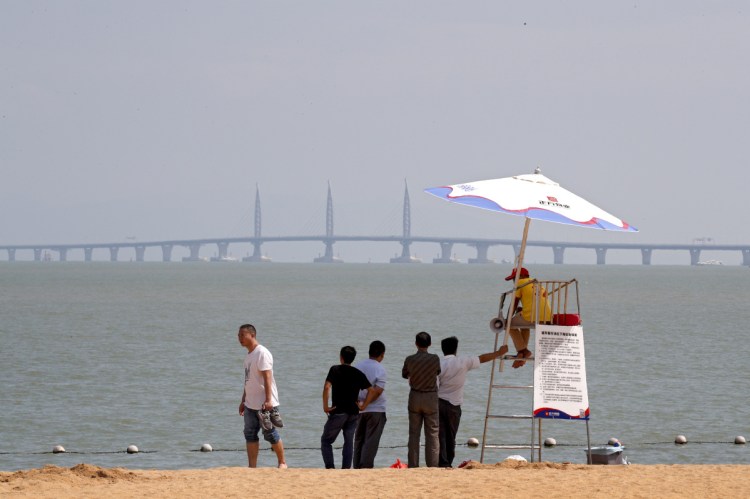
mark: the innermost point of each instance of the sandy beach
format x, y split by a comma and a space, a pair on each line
508, 479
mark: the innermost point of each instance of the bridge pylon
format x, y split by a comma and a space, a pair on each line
257, 255
329, 240
406, 241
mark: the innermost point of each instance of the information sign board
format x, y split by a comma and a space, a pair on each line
560, 390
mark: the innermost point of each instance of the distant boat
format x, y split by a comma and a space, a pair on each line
710, 262
224, 259
196, 259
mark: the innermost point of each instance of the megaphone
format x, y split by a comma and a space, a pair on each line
497, 324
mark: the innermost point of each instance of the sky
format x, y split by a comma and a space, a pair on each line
141, 121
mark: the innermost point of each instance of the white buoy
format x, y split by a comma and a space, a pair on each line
680, 439
59, 449
739, 439
472, 442
516, 457
206, 448
550, 442
614, 442
132, 449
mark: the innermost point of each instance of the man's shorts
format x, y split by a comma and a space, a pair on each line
252, 427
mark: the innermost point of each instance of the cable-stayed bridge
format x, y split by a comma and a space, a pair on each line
405, 239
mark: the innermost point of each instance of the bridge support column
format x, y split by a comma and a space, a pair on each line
257, 256
223, 252
559, 254
195, 250
87, 254
63, 252
445, 254
601, 256
11, 255
746, 257
113, 250
328, 256
482, 249
139, 251
405, 254
695, 256
646, 256
37, 255
166, 252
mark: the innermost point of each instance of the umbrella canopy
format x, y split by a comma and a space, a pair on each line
533, 196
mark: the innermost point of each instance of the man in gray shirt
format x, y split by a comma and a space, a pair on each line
422, 369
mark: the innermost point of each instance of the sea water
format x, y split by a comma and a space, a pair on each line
97, 356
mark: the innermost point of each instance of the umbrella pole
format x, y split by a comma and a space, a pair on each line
522, 250
514, 300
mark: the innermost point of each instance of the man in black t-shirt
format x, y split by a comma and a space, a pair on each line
343, 383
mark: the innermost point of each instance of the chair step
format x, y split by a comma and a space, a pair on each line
513, 357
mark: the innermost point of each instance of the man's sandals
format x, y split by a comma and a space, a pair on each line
524, 353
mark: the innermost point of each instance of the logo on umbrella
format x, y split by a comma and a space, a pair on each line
552, 201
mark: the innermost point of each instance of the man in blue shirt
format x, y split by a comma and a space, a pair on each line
372, 416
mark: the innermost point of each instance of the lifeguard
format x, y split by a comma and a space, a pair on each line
526, 316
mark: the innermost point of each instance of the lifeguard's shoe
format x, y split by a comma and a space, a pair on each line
276, 418
265, 420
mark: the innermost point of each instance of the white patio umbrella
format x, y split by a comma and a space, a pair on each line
533, 196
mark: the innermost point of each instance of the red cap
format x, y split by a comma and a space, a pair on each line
524, 274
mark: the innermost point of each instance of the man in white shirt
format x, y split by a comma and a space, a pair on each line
451, 381
260, 398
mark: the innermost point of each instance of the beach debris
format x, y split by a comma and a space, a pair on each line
473, 442
680, 439
59, 449
132, 449
739, 439
206, 448
550, 442
516, 457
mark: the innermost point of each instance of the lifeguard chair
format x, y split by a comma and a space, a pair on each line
558, 387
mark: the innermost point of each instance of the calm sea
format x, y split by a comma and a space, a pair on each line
98, 356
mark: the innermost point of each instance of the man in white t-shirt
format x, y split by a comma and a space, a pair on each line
451, 381
259, 398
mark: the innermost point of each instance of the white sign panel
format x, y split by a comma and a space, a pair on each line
560, 390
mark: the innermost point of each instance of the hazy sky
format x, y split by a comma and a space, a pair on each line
156, 119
